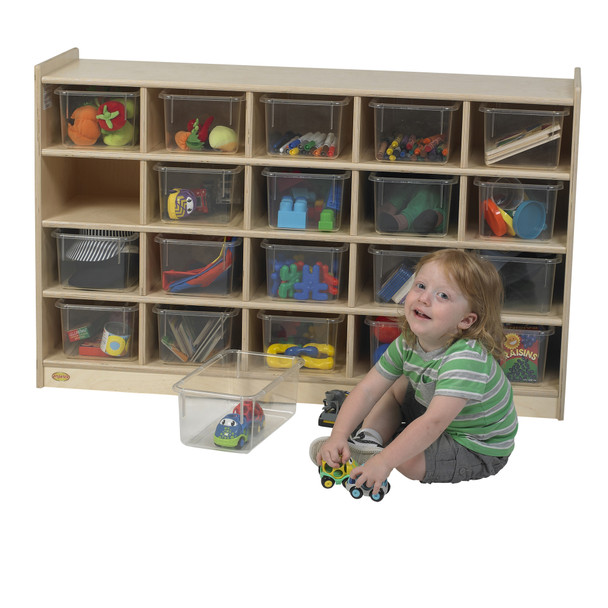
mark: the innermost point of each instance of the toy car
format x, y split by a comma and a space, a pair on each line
341, 475
234, 429
364, 490
331, 406
331, 476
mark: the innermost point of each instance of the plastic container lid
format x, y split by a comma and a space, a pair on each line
287, 316
412, 179
200, 95
494, 218
376, 103
537, 330
265, 244
528, 111
97, 306
97, 92
312, 101
529, 219
317, 174
235, 242
197, 169
168, 309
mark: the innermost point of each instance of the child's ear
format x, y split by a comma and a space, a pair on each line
467, 321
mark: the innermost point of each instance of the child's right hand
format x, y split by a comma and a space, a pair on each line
334, 452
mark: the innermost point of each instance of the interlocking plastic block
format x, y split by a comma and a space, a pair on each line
292, 214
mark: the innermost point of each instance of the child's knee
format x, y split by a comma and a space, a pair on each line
414, 468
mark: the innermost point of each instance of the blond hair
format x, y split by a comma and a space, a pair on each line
481, 285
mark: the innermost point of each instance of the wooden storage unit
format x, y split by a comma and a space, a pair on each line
71, 192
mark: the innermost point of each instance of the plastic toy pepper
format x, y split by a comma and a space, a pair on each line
111, 115
203, 132
192, 141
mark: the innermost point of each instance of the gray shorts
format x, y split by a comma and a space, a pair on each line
446, 460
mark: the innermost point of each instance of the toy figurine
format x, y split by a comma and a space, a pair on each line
183, 203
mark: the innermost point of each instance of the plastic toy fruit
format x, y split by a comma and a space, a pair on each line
84, 130
122, 137
223, 138
111, 115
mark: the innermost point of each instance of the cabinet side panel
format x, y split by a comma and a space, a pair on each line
46, 119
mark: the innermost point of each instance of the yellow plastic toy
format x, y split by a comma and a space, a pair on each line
315, 356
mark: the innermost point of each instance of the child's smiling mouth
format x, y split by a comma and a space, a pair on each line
418, 313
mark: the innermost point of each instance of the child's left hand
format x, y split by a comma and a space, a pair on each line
372, 473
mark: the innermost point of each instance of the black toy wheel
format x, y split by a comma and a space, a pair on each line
356, 492
327, 482
377, 497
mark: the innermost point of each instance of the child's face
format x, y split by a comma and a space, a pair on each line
435, 308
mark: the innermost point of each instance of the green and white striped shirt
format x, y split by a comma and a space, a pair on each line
488, 422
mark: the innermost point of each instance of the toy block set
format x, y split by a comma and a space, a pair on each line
304, 272
306, 200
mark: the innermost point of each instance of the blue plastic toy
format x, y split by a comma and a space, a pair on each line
292, 214
311, 287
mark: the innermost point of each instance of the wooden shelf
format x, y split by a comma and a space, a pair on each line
73, 192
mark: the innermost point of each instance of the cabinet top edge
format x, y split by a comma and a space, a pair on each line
460, 87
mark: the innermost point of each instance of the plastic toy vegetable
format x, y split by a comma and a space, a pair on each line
203, 132
84, 130
111, 115
180, 139
192, 141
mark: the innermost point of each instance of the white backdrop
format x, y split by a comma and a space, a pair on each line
102, 506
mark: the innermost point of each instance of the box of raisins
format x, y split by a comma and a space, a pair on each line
525, 352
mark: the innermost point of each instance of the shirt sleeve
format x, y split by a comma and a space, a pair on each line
390, 364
